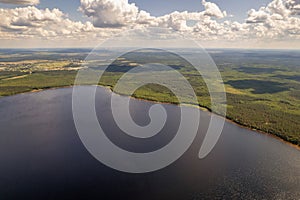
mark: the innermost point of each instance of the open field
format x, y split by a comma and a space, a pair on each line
263, 87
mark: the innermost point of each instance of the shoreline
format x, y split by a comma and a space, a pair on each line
170, 103
211, 113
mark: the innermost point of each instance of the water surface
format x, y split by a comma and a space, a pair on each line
42, 157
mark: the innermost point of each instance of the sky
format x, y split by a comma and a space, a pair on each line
268, 24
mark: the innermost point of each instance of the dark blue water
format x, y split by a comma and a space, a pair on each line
42, 157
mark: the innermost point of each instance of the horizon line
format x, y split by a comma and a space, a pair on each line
208, 48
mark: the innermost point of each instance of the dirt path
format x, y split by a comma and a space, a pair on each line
15, 77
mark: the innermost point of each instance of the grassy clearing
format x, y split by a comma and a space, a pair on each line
36, 81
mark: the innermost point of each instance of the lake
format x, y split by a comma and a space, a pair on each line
42, 157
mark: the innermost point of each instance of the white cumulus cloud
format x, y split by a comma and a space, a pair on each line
119, 13
211, 9
113, 13
28, 22
21, 2
277, 21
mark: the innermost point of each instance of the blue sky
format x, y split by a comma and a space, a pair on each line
215, 23
237, 8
